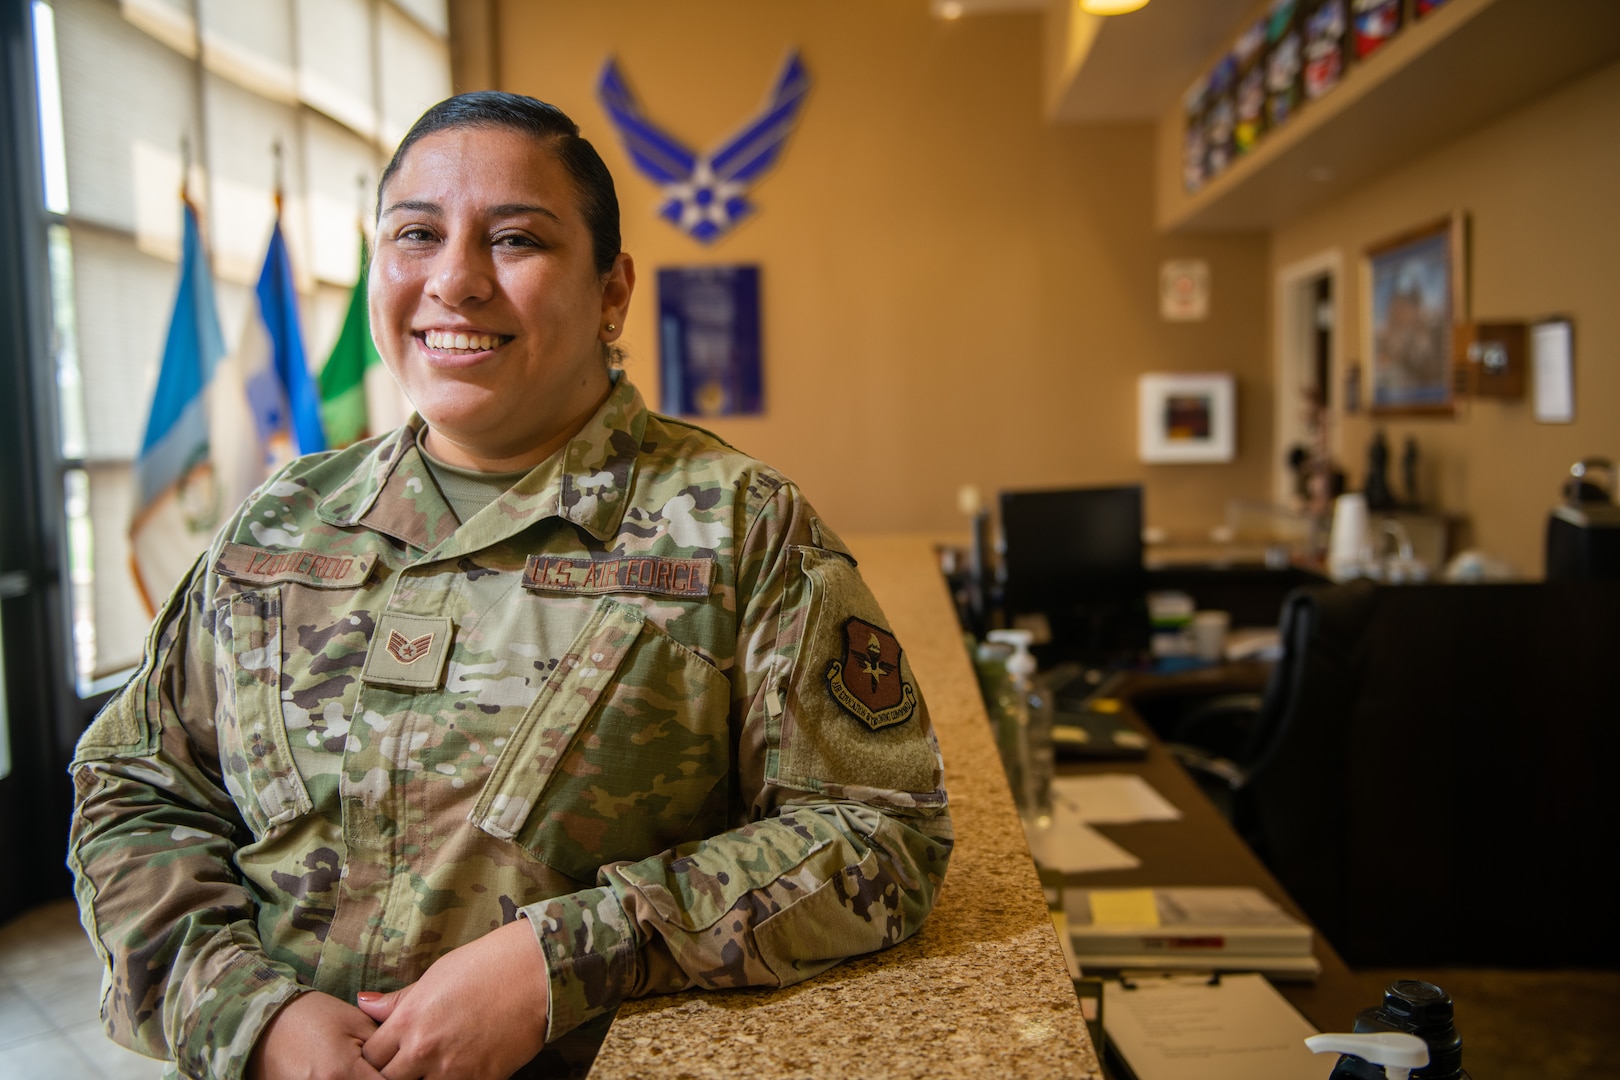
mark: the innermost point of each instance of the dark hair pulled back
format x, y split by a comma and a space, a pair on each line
598, 202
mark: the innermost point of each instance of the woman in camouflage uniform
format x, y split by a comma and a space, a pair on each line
459, 737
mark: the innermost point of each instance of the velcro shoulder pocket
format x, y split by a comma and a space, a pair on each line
853, 723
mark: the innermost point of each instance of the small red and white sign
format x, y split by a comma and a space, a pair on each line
1184, 290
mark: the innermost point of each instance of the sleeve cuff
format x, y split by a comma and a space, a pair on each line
591, 955
244, 991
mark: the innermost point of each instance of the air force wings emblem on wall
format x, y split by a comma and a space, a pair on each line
704, 193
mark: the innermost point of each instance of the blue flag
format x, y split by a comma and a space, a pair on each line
284, 397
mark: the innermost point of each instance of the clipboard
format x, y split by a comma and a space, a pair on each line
1203, 1026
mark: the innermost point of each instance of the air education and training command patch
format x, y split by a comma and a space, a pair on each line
866, 681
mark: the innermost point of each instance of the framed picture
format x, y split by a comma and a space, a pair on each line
1552, 370
1186, 418
1415, 294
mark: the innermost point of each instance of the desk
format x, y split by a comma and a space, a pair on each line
1202, 849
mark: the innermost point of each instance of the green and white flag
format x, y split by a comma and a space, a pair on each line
352, 363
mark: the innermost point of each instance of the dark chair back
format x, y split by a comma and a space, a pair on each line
1439, 788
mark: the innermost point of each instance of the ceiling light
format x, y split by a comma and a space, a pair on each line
950, 10
1111, 7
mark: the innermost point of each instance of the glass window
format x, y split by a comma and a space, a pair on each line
5, 716
281, 92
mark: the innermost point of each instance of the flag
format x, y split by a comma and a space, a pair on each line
280, 390
343, 380
188, 474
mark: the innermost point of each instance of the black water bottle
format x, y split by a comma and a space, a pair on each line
1422, 1009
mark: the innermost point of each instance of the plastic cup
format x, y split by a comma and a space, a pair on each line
1209, 634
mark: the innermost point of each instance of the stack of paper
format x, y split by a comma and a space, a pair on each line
1112, 799
1224, 929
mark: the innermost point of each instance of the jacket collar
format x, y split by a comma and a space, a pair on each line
588, 483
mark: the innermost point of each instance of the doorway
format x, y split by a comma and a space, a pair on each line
1307, 345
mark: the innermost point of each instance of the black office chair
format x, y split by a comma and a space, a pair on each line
1439, 788
1227, 742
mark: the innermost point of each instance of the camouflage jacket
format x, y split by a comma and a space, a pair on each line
643, 699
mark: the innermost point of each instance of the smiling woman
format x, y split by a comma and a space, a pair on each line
486, 302
554, 706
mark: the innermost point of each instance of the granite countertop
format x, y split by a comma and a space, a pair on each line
981, 990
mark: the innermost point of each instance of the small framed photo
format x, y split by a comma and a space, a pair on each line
1552, 369
1186, 418
1415, 289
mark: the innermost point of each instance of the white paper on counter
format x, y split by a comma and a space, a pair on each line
1181, 1027
1112, 799
1070, 846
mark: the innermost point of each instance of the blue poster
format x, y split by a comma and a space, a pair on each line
708, 341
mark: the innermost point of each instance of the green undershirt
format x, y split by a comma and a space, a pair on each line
468, 490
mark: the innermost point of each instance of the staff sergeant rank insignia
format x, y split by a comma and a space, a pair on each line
408, 650
867, 682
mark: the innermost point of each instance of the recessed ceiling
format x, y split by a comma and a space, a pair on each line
950, 9
1142, 63
1138, 64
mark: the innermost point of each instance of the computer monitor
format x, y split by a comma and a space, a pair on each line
1075, 556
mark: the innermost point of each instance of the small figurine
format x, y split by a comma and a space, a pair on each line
1379, 497
1409, 472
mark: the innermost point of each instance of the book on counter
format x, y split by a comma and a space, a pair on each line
1187, 929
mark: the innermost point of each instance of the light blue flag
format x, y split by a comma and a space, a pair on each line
177, 427
198, 458
283, 395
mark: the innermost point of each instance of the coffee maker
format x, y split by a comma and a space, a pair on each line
1583, 534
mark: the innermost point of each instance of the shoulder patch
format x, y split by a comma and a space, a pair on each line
866, 680
268, 566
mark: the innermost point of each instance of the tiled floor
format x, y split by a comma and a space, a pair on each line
50, 986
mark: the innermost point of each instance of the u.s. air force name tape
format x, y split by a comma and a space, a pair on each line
654, 575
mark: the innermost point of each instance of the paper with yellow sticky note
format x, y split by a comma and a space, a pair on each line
1124, 907
1229, 928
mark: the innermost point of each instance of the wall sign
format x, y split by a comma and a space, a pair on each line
704, 193
1184, 290
708, 341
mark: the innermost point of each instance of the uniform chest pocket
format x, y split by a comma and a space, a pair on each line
622, 753
255, 753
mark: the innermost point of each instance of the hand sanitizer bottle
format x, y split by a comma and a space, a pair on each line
1028, 716
1415, 1008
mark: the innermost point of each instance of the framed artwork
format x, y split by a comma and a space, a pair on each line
1415, 295
1186, 418
1552, 363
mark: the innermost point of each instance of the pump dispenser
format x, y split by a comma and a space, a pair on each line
1398, 1052
1021, 664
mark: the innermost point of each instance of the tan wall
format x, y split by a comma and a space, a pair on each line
955, 292
1540, 188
